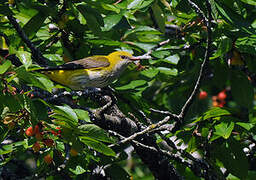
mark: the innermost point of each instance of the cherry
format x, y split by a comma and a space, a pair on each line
203, 95
222, 95
29, 131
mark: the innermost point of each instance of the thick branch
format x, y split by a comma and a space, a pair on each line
36, 54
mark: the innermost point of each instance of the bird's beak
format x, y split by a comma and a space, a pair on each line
134, 58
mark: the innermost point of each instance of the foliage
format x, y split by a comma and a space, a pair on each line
217, 129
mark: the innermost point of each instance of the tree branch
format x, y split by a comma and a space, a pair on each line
203, 65
36, 54
198, 10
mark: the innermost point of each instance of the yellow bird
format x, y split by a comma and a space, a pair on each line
94, 71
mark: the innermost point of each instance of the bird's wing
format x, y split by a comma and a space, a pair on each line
86, 63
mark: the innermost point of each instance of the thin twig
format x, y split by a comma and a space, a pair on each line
113, 133
198, 10
162, 112
175, 157
145, 117
146, 130
202, 69
117, 2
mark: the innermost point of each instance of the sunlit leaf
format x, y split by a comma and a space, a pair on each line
132, 85
98, 146
110, 21
138, 4
5, 66
224, 129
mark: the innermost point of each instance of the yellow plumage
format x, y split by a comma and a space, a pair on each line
94, 71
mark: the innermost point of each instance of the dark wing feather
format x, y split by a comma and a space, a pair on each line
86, 63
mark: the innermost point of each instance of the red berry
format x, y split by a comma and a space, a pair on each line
48, 159
222, 103
29, 131
56, 132
48, 142
222, 95
203, 95
36, 147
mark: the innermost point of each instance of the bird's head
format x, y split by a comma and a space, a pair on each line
119, 60
120, 57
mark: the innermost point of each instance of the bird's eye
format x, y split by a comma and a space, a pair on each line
124, 57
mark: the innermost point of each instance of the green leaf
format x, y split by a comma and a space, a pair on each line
251, 2
192, 145
34, 24
25, 58
216, 112
14, 103
82, 114
95, 132
160, 54
232, 177
144, 46
247, 44
234, 18
67, 112
141, 30
150, 73
64, 123
4, 67
159, 16
174, 59
110, 7
116, 172
132, 85
42, 82
97, 146
241, 89
224, 129
36, 108
232, 156
5, 149
168, 71
36, 79
4, 132
224, 47
139, 4
247, 126
93, 18
110, 21
239, 164
78, 170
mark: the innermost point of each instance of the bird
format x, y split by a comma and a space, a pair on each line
95, 71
